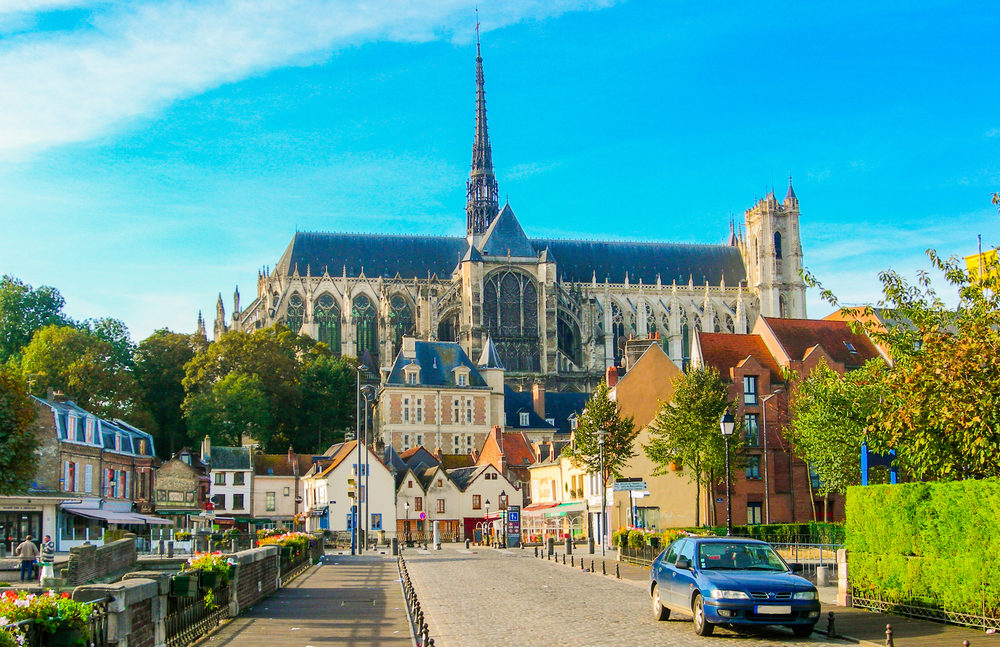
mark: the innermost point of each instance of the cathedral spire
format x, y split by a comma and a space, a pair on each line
482, 204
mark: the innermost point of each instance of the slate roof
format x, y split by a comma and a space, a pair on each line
517, 402
416, 455
436, 360
454, 461
278, 465
579, 260
725, 350
393, 461
490, 357
71, 423
463, 476
797, 336
558, 406
230, 458
504, 237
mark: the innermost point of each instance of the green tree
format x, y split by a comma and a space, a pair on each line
116, 334
328, 399
23, 310
17, 444
829, 414
687, 429
81, 365
235, 406
159, 373
602, 414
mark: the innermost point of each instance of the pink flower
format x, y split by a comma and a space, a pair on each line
21, 602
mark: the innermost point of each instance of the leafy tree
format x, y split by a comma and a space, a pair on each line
602, 414
116, 334
235, 406
941, 404
23, 310
687, 429
159, 372
17, 443
328, 398
81, 365
829, 414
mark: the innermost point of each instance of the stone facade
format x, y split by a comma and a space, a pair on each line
559, 311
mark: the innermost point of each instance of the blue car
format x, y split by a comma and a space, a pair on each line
729, 581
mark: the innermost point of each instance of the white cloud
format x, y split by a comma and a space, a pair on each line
63, 87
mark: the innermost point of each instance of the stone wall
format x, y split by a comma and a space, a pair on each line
136, 609
256, 577
88, 562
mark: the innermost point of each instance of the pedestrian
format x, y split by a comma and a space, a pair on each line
46, 558
28, 553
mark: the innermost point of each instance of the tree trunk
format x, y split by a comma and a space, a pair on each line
697, 499
826, 514
812, 496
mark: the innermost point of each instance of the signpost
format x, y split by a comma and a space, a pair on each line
623, 485
513, 526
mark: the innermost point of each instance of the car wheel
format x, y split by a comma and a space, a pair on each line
802, 631
702, 627
659, 611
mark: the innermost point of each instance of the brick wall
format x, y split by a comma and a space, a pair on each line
89, 562
141, 622
256, 575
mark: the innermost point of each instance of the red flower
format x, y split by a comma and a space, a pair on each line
64, 596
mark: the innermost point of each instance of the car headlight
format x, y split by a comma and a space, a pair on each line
719, 594
806, 595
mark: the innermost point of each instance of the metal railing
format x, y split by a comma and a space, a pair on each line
642, 556
292, 567
873, 602
418, 626
811, 557
96, 633
188, 619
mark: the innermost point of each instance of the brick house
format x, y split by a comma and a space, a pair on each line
510, 453
92, 474
775, 486
182, 490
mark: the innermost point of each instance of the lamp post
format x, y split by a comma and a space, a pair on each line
361, 368
486, 533
767, 494
370, 396
604, 494
406, 520
502, 538
728, 425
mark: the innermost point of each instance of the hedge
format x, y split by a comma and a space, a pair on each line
782, 533
927, 544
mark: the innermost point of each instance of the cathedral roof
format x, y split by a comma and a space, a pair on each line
506, 238
382, 255
490, 358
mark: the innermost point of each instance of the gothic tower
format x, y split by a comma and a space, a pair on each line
482, 203
772, 253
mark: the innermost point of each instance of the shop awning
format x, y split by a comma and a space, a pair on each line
563, 509
104, 515
150, 520
318, 512
537, 509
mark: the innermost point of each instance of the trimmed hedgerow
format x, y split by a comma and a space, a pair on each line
928, 544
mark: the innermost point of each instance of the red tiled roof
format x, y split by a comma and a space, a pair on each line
343, 452
797, 336
723, 351
516, 449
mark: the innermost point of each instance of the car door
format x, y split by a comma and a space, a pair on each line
664, 572
683, 581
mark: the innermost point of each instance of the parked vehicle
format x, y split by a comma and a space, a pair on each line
728, 581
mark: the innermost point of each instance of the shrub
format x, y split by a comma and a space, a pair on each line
928, 544
210, 563
299, 542
636, 539
183, 535
616, 538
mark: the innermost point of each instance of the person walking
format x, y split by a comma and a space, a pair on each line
46, 558
28, 553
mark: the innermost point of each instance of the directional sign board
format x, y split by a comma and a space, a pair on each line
625, 486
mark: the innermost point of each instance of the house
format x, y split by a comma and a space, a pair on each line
561, 493
510, 453
277, 496
231, 473
328, 494
542, 415
435, 396
182, 491
92, 474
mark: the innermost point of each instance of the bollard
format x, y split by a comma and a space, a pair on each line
618, 574
564, 559
233, 546
569, 546
830, 632
571, 562
888, 636
550, 545
604, 569
536, 551
590, 545
468, 543
170, 548
581, 563
395, 547
161, 547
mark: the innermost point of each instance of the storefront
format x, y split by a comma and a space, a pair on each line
556, 520
21, 516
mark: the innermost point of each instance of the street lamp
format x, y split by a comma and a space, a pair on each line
728, 425
486, 533
360, 368
502, 535
370, 395
767, 494
604, 493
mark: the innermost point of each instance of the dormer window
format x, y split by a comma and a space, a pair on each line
461, 376
551, 421
572, 424
462, 379
524, 419
411, 378
412, 373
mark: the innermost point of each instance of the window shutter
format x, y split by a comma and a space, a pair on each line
77, 481
65, 476
128, 484
88, 484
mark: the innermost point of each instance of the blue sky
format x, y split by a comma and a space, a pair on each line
153, 154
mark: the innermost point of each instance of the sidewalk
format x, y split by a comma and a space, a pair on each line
344, 601
856, 625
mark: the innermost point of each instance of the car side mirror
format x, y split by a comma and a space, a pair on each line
683, 564
796, 568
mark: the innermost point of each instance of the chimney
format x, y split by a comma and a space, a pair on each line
409, 347
538, 399
56, 396
611, 376
499, 436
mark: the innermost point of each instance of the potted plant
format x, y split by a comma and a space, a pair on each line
63, 620
183, 535
214, 569
184, 584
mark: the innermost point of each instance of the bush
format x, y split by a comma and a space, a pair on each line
927, 544
50, 612
210, 563
636, 539
183, 535
616, 537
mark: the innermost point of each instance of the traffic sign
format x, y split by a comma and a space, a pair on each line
625, 486
513, 516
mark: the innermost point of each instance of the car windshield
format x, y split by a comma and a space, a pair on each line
738, 556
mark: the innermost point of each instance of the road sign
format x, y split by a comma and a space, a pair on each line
625, 486
513, 516
423, 516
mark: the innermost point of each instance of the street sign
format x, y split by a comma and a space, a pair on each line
625, 486
423, 516
513, 526
513, 515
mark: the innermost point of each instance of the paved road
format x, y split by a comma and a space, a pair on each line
490, 597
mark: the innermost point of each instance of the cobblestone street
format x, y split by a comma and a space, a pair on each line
489, 597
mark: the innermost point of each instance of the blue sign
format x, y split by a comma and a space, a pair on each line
513, 516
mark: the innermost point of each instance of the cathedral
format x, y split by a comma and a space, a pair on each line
558, 311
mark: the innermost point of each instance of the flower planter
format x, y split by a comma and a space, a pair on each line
66, 637
286, 552
184, 585
210, 579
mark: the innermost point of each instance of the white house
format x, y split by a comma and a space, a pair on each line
231, 487
327, 491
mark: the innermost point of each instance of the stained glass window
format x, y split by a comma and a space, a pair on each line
327, 317
366, 326
296, 312
510, 317
401, 321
